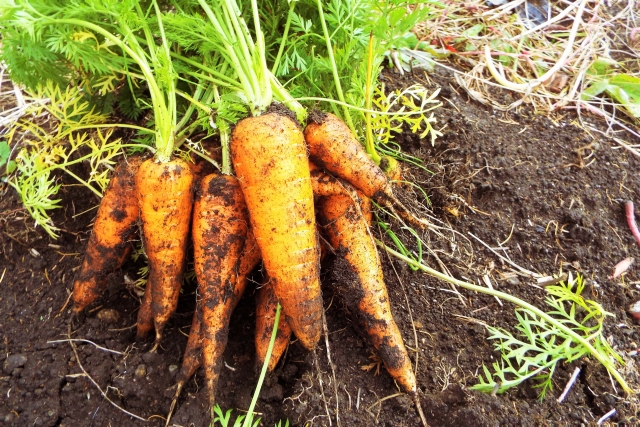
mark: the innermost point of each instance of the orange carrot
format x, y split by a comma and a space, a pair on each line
165, 197
220, 224
270, 159
108, 245
365, 293
144, 324
333, 147
193, 357
326, 185
266, 305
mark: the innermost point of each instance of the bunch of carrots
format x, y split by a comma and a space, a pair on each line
233, 229
285, 178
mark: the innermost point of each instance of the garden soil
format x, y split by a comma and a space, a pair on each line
539, 189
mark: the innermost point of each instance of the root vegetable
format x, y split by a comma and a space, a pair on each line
333, 147
193, 357
165, 196
365, 292
266, 306
144, 324
108, 245
220, 226
270, 159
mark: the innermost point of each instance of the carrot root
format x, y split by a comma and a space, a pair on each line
270, 159
220, 228
364, 291
334, 148
266, 306
165, 196
108, 245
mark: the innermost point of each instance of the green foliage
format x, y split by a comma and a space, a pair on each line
305, 63
62, 142
406, 107
6, 163
623, 88
538, 347
225, 418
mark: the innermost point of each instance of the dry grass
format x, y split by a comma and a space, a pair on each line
547, 66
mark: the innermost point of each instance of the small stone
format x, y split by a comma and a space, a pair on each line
173, 369
141, 371
513, 281
14, 361
8, 419
109, 315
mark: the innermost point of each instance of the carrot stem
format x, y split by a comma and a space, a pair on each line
336, 77
287, 25
369, 145
603, 359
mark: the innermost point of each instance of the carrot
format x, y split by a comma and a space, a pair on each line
165, 196
199, 168
193, 357
220, 226
333, 147
144, 324
270, 159
266, 305
108, 245
365, 293
326, 185
323, 184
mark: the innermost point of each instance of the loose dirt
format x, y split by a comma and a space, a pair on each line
546, 191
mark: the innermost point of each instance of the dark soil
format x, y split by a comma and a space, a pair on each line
551, 192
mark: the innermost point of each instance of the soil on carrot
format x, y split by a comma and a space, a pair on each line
542, 191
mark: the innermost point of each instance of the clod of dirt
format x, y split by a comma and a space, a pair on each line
141, 371
14, 361
108, 315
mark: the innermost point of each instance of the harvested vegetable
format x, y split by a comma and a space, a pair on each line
333, 147
166, 196
193, 357
266, 307
108, 245
365, 293
270, 160
144, 324
220, 227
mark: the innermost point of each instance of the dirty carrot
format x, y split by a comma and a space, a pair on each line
270, 159
193, 358
165, 196
333, 147
266, 307
108, 245
144, 324
220, 226
365, 293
